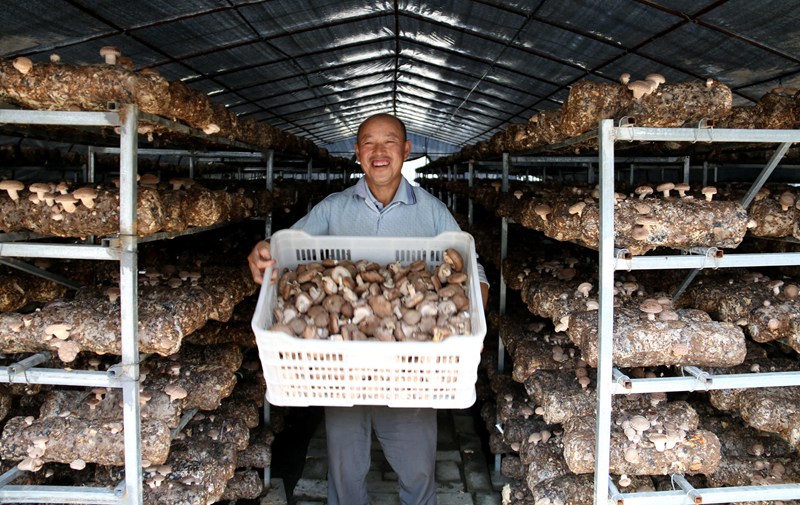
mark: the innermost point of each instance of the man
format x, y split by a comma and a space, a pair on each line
382, 203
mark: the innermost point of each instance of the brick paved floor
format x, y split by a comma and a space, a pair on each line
462, 474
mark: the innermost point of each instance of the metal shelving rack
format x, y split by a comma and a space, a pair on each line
121, 248
610, 381
125, 374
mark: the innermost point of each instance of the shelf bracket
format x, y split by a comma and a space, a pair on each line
776, 158
185, 418
713, 253
34, 270
701, 375
690, 491
24, 365
8, 477
621, 379
614, 496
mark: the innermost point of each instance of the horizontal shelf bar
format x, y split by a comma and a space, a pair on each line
59, 494
735, 494
722, 381
57, 117
188, 231
184, 152
705, 135
18, 236
69, 251
194, 132
678, 262
584, 159
58, 377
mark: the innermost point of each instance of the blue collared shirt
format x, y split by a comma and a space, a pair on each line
413, 212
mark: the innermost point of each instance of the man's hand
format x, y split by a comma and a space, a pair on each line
259, 259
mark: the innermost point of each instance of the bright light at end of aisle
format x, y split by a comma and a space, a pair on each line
410, 168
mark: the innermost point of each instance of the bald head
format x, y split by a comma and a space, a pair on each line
382, 116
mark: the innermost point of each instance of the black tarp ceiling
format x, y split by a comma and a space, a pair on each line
456, 71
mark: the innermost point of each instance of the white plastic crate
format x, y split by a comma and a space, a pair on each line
301, 372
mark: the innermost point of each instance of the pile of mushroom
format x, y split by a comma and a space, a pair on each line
363, 300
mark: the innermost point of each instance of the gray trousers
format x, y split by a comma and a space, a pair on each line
408, 439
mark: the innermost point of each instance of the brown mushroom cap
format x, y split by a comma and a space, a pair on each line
682, 188
12, 187
110, 54
22, 64
210, 129
542, 210
175, 392
86, 195
67, 201
643, 191
651, 308
786, 200
40, 188
656, 78
640, 89
709, 192
454, 259
665, 187
577, 208
149, 179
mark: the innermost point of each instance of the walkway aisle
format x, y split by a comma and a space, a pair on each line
462, 475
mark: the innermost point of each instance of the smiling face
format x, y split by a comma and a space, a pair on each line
381, 149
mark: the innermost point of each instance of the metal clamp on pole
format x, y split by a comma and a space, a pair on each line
624, 255
119, 490
31, 361
621, 379
124, 372
614, 496
690, 491
700, 375
706, 123
709, 252
626, 122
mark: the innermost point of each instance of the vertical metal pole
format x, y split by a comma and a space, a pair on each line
453, 195
470, 184
191, 166
90, 164
501, 357
309, 174
267, 234
501, 348
633, 170
129, 306
606, 314
268, 217
687, 165
705, 173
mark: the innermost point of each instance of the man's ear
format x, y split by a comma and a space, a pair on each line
355, 148
408, 150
